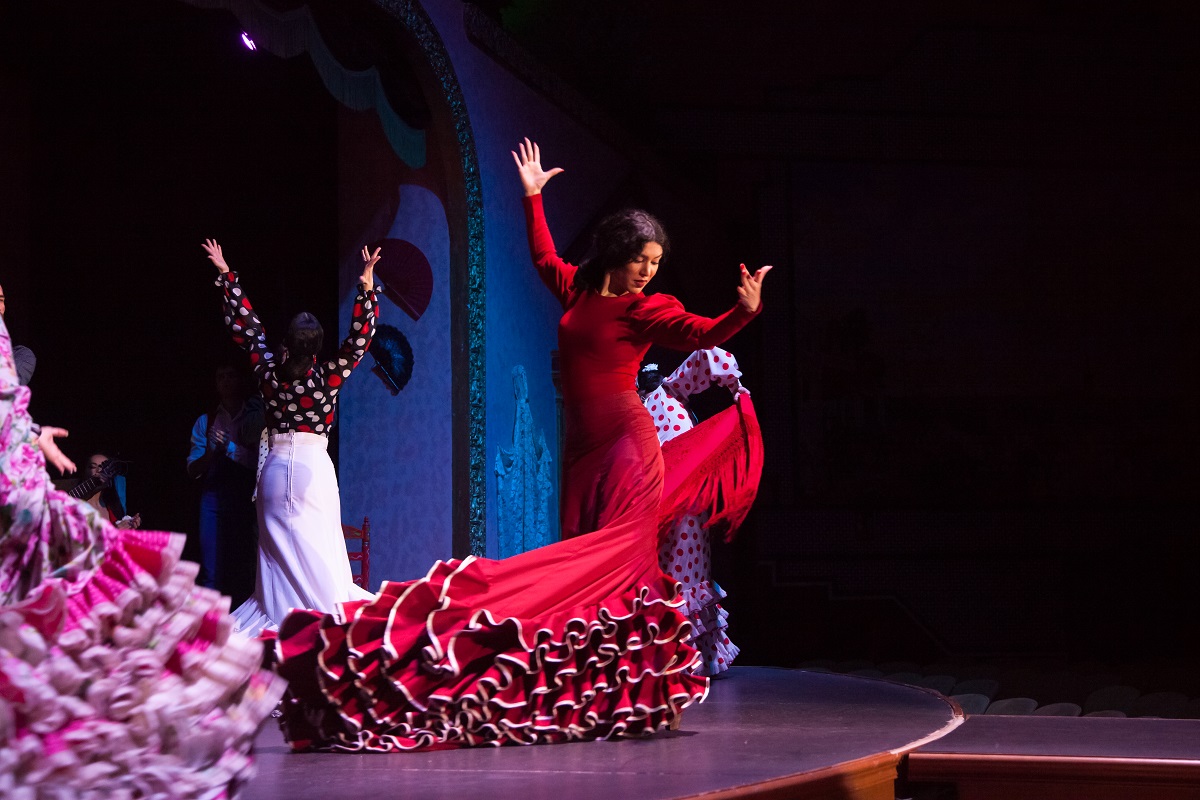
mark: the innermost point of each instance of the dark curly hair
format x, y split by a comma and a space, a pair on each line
303, 341
619, 239
649, 378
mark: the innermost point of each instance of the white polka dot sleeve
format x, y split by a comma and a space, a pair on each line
702, 369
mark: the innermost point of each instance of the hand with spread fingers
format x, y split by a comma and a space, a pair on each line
49, 448
215, 255
529, 167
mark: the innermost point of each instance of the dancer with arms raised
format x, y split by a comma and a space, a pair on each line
302, 561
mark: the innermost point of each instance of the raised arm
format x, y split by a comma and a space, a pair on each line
243, 323
702, 369
557, 274
362, 323
662, 320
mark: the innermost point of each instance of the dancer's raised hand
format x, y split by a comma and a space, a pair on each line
529, 167
750, 292
50, 450
215, 256
367, 279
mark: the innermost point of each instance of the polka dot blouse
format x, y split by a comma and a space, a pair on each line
668, 405
307, 404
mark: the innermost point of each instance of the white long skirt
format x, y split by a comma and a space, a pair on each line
302, 560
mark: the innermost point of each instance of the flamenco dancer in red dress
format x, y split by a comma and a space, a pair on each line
584, 638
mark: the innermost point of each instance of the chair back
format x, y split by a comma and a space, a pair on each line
363, 554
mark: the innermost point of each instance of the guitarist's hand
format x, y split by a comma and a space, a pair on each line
50, 450
128, 522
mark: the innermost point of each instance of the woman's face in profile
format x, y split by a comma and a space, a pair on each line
635, 275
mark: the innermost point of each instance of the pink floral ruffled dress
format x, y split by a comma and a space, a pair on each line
119, 677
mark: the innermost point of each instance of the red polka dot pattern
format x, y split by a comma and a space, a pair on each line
686, 552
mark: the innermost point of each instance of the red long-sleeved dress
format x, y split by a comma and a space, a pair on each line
612, 464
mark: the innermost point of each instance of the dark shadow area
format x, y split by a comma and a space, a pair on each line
976, 373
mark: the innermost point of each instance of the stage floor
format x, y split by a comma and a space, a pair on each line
759, 731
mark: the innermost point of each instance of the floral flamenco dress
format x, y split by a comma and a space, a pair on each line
581, 639
119, 677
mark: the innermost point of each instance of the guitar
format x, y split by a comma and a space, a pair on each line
101, 480
89, 486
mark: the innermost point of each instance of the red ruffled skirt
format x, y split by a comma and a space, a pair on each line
582, 639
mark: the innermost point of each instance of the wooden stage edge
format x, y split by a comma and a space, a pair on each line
869, 778
1052, 758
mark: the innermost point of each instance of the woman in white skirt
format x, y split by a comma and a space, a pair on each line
302, 561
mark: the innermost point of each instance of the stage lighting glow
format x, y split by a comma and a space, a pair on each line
246, 40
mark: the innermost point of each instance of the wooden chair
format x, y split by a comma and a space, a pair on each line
363, 554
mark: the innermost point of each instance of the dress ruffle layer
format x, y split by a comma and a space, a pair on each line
710, 624
426, 665
127, 683
685, 555
118, 676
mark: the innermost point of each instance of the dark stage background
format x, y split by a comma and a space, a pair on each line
976, 370
977, 367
